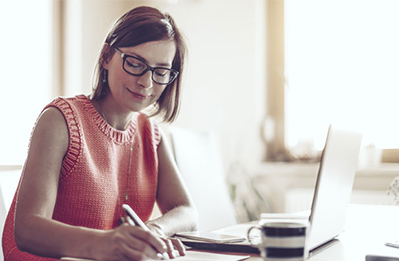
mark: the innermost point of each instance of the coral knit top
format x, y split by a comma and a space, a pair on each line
94, 175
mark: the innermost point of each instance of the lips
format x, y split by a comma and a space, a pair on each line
138, 95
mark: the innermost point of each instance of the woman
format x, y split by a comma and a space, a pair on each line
89, 155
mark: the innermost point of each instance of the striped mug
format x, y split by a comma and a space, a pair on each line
281, 241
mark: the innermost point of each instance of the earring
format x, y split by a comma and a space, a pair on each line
105, 77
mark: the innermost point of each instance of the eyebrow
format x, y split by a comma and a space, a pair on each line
145, 60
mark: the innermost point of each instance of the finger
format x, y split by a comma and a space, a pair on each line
169, 245
136, 249
127, 248
179, 246
149, 238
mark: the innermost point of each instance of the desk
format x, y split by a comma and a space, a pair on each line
366, 230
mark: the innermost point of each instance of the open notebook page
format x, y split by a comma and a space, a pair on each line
190, 256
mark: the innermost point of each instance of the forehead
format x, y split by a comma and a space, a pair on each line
157, 52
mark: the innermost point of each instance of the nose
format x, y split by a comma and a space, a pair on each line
146, 80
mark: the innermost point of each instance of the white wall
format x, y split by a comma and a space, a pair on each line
224, 86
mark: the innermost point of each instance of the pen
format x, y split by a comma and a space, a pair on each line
135, 220
133, 216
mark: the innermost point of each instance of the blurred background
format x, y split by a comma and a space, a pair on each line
266, 76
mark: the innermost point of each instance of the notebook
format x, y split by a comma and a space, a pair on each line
331, 197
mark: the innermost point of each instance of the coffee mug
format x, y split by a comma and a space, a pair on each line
282, 241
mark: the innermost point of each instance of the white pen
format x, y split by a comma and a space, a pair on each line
135, 220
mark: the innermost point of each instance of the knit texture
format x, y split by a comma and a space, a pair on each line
94, 173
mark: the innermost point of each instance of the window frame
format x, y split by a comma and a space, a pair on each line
275, 107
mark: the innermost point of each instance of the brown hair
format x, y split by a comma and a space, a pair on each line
138, 26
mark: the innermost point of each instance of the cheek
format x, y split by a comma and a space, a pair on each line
116, 78
157, 94
161, 90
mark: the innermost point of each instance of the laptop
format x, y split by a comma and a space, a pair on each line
338, 165
334, 184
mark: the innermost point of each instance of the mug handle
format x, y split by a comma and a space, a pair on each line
250, 238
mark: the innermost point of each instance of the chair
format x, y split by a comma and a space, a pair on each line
198, 158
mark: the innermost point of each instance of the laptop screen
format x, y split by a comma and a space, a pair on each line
334, 184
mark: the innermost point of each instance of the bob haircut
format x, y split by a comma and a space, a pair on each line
137, 26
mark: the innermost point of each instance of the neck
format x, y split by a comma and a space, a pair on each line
118, 120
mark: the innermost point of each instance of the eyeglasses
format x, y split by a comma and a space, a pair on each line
137, 67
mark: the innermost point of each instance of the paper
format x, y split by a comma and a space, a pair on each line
190, 256
198, 255
211, 237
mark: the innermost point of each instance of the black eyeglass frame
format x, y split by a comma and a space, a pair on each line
124, 56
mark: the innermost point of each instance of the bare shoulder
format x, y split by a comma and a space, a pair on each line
52, 117
164, 146
48, 146
51, 131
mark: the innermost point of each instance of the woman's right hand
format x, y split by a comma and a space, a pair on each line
128, 242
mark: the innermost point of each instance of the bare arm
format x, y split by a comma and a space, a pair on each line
179, 213
37, 233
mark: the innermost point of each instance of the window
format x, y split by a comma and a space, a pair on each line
25, 70
340, 64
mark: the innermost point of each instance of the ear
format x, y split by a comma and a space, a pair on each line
104, 64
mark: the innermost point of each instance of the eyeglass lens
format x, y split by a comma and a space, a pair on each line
159, 75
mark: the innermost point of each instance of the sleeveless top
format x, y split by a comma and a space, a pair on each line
94, 173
